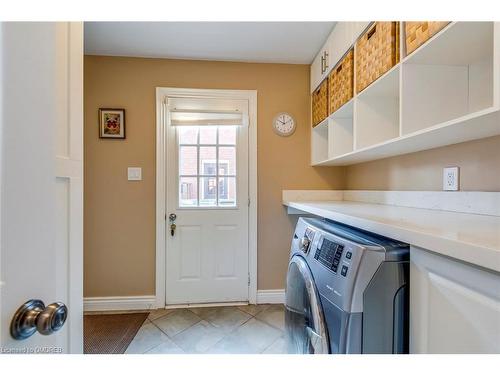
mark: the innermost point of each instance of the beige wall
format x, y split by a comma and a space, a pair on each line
119, 215
119, 238
479, 163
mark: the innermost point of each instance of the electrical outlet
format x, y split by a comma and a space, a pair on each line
451, 178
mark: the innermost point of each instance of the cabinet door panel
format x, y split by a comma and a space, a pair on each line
339, 42
455, 307
315, 72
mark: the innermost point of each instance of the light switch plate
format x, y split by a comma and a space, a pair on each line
134, 173
451, 178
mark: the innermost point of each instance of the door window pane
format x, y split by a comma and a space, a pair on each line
188, 135
188, 191
227, 135
208, 192
208, 135
207, 166
188, 157
227, 161
208, 161
227, 191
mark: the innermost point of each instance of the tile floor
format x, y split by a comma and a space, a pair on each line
248, 329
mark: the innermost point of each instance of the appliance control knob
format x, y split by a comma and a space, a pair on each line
304, 244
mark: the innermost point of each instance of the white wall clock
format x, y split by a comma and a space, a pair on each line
284, 124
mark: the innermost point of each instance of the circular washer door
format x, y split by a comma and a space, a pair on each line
304, 321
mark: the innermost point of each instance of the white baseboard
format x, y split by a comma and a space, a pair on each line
119, 303
271, 296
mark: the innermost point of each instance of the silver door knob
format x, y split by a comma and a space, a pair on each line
34, 316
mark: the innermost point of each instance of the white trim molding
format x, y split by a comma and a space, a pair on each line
119, 303
161, 152
275, 296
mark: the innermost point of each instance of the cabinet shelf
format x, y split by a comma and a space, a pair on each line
377, 111
340, 130
445, 92
448, 78
482, 124
319, 140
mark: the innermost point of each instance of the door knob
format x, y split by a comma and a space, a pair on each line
172, 217
34, 316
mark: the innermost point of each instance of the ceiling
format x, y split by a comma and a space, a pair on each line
267, 42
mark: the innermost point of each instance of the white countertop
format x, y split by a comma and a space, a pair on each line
468, 237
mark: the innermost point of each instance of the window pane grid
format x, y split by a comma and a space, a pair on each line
216, 177
207, 175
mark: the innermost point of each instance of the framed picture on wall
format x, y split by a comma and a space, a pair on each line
112, 123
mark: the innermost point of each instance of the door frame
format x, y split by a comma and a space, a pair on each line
161, 181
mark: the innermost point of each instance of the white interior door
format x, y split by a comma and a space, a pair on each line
207, 191
41, 165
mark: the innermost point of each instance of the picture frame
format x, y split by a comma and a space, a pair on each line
112, 123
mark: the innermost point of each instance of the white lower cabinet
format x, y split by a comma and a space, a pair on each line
454, 306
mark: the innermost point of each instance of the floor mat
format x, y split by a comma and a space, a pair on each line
110, 333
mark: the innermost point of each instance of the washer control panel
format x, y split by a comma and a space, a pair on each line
329, 253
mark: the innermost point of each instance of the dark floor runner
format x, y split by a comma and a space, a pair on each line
110, 333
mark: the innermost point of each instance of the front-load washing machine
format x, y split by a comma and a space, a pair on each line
347, 291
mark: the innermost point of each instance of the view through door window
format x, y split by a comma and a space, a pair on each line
207, 166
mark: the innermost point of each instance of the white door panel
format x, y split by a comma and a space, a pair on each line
42, 176
188, 242
207, 257
226, 236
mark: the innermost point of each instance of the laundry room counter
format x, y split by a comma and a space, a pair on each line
472, 238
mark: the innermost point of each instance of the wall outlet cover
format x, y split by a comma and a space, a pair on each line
134, 173
451, 178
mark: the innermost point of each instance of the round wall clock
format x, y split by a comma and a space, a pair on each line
284, 124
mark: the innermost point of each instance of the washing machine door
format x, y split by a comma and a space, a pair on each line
304, 321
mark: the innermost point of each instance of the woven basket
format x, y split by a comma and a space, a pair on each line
341, 81
376, 52
320, 103
417, 33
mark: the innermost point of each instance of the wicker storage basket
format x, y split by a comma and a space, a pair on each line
341, 81
377, 51
320, 103
417, 33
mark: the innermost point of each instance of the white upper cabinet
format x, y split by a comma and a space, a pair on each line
445, 92
342, 37
321, 65
316, 73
